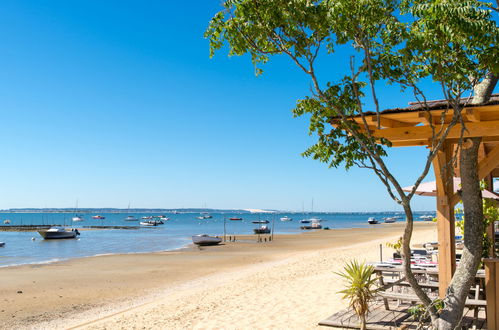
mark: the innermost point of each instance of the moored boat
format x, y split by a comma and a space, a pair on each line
389, 220
314, 224
98, 217
131, 218
77, 218
151, 223
262, 230
372, 221
260, 221
235, 218
58, 233
286, 218
205, 239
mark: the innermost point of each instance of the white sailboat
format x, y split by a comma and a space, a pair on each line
77, 217
130, 217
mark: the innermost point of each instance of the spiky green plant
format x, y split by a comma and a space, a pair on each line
360, 288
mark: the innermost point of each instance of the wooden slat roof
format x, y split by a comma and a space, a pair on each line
437, 105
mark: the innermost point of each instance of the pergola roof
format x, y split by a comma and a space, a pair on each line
411, 126
416, 125
437, 105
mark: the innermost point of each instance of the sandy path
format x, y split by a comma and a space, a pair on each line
295, 293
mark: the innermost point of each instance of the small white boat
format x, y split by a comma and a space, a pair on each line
260, 221
205, 239
262, 230
390, 220
58, 233
286, 218
6, 222
314, 224
77, 217
2, 244
151, 223
372, 221
426, 217
147, 223
131, 218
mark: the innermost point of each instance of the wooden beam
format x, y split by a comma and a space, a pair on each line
386, 122
445, 218
418, 143
489, 163
456, 198
473, 115
492, 292
489, 181
424, 116
400, 134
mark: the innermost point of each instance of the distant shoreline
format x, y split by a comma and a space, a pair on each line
190, 210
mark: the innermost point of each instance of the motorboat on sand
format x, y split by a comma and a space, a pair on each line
204, 239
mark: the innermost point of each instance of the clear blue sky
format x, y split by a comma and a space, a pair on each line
115, 101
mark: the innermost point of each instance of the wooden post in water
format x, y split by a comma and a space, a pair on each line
272, 233
225, 231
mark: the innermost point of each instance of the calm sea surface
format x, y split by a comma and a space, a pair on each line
20, 248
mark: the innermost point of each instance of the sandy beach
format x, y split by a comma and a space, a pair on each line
287, 283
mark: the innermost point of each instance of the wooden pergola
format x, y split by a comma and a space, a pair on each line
411, 127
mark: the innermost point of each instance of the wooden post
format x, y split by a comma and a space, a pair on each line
225, 231
492, 292
445, 217
491, 228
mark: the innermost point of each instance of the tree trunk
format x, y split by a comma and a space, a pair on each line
363, 325
406, 258
464, 277
484, 89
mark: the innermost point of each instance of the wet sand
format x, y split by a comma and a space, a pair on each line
286, 283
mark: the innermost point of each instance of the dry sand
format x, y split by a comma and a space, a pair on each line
287, 283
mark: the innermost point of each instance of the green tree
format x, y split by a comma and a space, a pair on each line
451, 42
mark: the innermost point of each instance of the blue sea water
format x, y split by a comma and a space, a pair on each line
176, 233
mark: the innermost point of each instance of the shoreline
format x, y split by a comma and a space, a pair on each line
96, 287
244, 237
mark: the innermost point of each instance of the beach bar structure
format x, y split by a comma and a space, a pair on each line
410, 126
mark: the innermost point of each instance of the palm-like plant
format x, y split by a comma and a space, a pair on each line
360, 288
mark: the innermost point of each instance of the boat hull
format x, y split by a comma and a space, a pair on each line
204, 240
57, 235
311, 227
